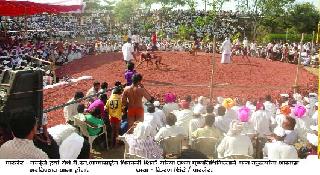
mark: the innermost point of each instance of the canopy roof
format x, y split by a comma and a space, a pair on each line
31, 7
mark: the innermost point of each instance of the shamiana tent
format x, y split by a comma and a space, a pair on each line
31, 7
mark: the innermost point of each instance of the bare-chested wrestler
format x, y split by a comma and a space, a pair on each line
132, 98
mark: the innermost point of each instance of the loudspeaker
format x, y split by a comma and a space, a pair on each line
21, 91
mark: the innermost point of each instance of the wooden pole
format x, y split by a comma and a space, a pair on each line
296, 87
213, 62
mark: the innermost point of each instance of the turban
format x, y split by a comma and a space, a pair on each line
299, 111
228, 103
243, 114
285, 110
279, 131
169, 98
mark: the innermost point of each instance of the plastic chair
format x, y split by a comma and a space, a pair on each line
172, 146
207, 146
238, 156
84, 132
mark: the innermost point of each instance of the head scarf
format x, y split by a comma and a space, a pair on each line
299, 111
228, 103
285, 110
243, 114
169, 98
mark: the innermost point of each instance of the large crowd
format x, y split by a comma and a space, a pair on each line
282, 128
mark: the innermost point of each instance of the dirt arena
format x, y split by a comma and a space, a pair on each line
183, 75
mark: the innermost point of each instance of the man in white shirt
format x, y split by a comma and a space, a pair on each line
195, 123
170, 129
278, 149
71, 110
151, 120
183, 117
261, 122
226, 51
222, 122
200, 107
291, 134
235, 143
160, 113
135, 41
270, 107
128, 51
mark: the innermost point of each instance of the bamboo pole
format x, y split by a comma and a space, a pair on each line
295, 87
213, 62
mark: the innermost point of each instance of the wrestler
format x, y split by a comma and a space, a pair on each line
132, 98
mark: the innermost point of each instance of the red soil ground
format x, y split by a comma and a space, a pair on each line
184, 75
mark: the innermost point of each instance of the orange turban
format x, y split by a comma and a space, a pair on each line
228, 103
285, 110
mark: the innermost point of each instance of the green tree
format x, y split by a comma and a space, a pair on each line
125, 10
304, 17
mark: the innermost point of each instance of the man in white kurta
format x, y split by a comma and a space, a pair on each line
226, 51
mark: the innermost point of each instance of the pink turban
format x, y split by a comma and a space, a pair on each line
299, 111
169, 98
243, 114
228, 103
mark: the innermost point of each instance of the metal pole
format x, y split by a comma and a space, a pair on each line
312, 43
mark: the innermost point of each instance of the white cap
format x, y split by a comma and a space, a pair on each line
313, 139
284, 95
316, 104
156, 103
279, 131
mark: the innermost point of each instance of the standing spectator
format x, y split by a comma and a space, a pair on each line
128, 51
129, 73
132, 98
114, 109
226, 51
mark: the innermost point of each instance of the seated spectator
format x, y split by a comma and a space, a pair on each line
95, 122
80, 110
44, 140
184, 116
244, 118
288, 125
142, 144
222, 122
159, 112
99, 103
170, 103
261, 121
195, 123
278, 149
200, 107
209, 130
104, 88
234, 142
94, 90
151, 121
71, 110
23, 127
170, 129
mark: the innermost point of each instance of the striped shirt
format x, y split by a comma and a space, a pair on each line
21, 149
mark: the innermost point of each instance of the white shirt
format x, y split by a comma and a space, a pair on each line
70, 111
199, 108
303, 127
71, 147
195, 124
152, 123
226, 47
223, 123
280, 150
239, 144
162, 116
167, 131
270, 108
291, 137
127, 50
183, 119
261, 122
169, 107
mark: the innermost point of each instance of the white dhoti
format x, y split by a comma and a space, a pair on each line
226, 58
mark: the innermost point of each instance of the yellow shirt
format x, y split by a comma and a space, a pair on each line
114, 106
207, 132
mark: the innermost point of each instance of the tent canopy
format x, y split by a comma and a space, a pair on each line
31, 7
